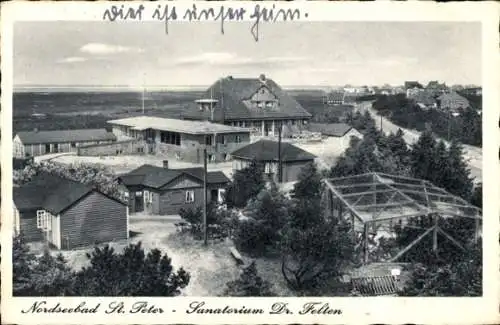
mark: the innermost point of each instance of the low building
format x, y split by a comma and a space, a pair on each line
163, 191
36, 143
424, 99
256, 103
178, 139
67, 214
335, 98
342, 132
452, 102
265, 152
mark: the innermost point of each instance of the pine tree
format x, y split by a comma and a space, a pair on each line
309, 184
249, 284
22, 261
459, 183
422, 156
247, 183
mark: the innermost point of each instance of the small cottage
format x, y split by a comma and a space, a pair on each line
265, 152
164, 191
67, 214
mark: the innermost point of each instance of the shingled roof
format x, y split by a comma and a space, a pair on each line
231, 93
65, 136
49, 192
267, 150
156, 177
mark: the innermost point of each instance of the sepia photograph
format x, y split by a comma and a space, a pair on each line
325, 159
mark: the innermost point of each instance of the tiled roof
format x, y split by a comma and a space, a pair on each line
65, 136
176, 125
49, 192
424, 97
453, 100
267, 150
232, 92
412, 84
156, 177
333, 129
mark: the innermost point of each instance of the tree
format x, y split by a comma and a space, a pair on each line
247, 183
38, 276
309, 184
130, 273
315, 252
459, 182
422, 156
477, 196
249, 284
220, 221
266, 216
462, 278
22, 260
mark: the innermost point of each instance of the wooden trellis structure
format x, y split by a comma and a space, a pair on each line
375, 202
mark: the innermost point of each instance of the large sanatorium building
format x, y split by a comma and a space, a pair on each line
256, 103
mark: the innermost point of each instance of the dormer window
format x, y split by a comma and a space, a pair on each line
260, 104
269, 104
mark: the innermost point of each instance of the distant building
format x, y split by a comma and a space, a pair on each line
412, 87
424, 99
475, 91
341, 131
293, 159
436, 88
452, 102
335, 98
67, 214
180, 139
36, 143
164, 191
256, 103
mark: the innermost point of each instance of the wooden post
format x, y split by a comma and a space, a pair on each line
280, 171
434, 236
365, 246
205, 227
476, 230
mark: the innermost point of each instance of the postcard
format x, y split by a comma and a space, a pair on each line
250, 162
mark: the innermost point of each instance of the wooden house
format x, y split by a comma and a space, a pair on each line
163, 191
67, 214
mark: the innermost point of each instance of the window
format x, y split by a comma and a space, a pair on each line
43, 220
148, 197
224, 139
208, 140
73, 145
138, 193
238, 139
126, 194
140, 149
170, 138
260, 104
189, 196
269, 104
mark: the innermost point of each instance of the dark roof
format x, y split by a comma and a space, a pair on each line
332, 129
424, 97
156, 177
232, 92
49, 192
267, 150
412, 84
61, 136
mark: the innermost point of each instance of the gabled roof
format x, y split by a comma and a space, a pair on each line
332, 129
176, 125
49, 192
156, 177
231, 93
424, 97
267, 150
64, 136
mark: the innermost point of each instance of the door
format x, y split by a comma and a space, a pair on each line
47, 148
139, 202
214, 195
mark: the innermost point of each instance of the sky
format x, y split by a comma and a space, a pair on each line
293, 54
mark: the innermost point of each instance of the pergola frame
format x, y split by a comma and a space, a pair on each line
373, 199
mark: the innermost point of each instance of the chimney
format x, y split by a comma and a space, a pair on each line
165, 164
230, 77
262, 78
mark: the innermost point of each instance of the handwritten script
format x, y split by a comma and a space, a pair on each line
170, 13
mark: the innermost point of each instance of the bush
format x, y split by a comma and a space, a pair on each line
250, 284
